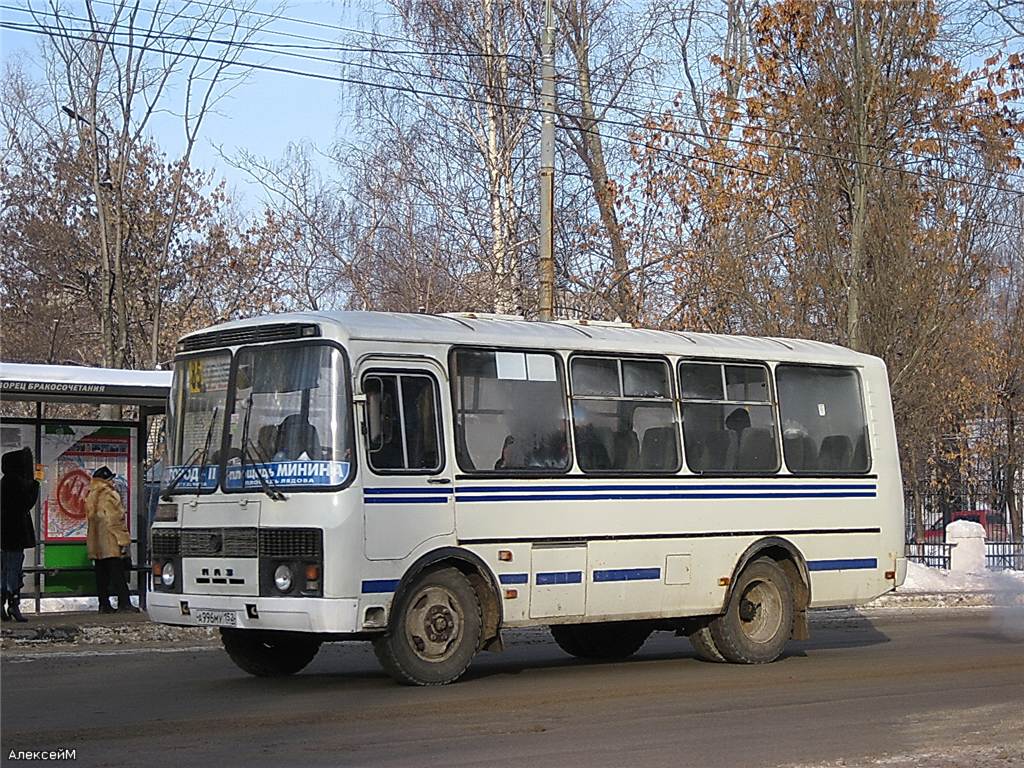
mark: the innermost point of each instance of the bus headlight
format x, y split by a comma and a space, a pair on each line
283, 578
167, 574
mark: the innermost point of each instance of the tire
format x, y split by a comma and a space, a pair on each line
704, 645
568, 639
435, 630
269, 654
758, 620
607, 641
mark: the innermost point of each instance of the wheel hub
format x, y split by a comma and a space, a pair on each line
760, 611
433, 623
749, 610
439, 624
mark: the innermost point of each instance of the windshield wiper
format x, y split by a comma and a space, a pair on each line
266, 485
182, 470
195, 458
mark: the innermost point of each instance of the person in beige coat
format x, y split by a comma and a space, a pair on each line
107, 540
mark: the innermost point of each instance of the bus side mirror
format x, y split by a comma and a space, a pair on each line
374, 420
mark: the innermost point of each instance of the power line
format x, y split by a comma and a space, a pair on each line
262, 45
42, 30
324, 25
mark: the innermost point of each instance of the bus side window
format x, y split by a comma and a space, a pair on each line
824, 426
405, 436
510, 411
623, 414
728, 418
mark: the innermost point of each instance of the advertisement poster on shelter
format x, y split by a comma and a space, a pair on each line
71, 458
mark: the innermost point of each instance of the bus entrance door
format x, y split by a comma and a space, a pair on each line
407, 495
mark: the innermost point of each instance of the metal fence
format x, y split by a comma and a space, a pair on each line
1004, 555
939, 507
932, 554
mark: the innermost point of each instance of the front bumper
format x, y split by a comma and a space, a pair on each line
296, 614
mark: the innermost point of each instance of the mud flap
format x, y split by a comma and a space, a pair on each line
801, 630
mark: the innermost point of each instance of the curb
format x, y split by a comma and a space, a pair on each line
975, 599
103, 634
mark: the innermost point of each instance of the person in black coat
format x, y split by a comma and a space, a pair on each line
19, 491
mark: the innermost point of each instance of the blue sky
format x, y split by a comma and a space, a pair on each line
266, 112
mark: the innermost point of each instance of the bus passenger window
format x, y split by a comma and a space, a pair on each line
408, 439
510, 411
728, 419
623, 415
824, 428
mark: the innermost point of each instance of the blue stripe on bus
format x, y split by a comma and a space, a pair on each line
416, 489
514, 578
408, 500
661, 487
560, 577
464, 497
851, 564
627, 574
380, 585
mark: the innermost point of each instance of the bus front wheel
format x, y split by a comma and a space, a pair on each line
435, 630
269, 654
758, 620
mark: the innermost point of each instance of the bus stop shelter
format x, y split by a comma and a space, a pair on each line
68, 443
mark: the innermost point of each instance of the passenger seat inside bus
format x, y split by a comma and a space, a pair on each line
659, 449
801, 452
626, 454
266, 439
757, 450
591, 449
296, 436
718, 452
836, 453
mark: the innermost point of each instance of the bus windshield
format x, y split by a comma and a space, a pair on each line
196, 421
289, 418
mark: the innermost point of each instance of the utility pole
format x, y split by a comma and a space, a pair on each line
546, 287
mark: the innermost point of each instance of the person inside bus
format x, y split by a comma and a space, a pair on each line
738, 421
297, 439
505, 460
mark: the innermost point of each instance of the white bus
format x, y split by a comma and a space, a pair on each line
425, 481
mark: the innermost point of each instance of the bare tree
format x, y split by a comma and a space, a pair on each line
110, 71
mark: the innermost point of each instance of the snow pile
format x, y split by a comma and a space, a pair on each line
920, 578
965, 529
65, 604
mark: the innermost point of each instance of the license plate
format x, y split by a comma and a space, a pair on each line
215, 618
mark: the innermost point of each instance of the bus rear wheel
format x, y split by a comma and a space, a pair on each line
758, 620
612, 640
704, 645
435, 630
269, 654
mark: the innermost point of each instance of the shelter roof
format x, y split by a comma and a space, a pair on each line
82, 384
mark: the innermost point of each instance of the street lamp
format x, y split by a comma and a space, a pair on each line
107, 182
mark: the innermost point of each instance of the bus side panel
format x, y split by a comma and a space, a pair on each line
889, 513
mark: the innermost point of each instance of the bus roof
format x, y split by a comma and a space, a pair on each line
494, 330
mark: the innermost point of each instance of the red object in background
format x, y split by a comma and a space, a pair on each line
994, 524
72, 489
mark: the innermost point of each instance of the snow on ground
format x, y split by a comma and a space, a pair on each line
920, 578
65, 604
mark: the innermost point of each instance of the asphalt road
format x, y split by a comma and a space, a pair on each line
925, 688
